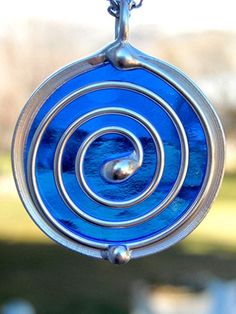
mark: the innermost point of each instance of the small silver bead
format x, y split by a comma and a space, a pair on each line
119, 170
119, 255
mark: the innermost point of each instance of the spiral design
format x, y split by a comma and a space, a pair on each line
137, 146
122, 168
127, 165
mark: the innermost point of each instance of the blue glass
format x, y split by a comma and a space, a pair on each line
116, 145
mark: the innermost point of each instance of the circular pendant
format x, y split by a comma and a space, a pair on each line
118, 155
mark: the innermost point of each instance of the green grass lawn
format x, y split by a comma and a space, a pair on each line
5, 164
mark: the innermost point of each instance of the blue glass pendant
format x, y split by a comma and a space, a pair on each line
119, 155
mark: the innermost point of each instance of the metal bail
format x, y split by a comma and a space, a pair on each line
122, 22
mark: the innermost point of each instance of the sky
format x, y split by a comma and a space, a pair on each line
168, 15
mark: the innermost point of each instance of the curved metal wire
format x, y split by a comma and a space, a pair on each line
136, 5
114, 8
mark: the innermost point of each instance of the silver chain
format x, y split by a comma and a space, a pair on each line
114, 7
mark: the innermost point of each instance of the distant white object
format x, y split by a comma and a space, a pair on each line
17, 307
224, 297
169, 300
218, 298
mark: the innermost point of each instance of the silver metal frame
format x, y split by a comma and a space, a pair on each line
123, 56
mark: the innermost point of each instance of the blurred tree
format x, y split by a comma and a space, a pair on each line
30, 52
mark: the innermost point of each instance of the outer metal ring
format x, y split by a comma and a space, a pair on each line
210, 186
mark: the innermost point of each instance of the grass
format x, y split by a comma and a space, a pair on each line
228, 189
57, 281
5, 164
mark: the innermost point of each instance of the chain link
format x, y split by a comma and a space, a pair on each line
114, 7
136, 5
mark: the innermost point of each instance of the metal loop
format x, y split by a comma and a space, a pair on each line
137, 5
114, 8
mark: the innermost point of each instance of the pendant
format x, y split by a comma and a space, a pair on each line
118, 155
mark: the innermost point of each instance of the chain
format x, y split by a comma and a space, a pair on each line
114, 7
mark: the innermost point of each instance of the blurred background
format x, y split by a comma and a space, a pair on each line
196, 276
